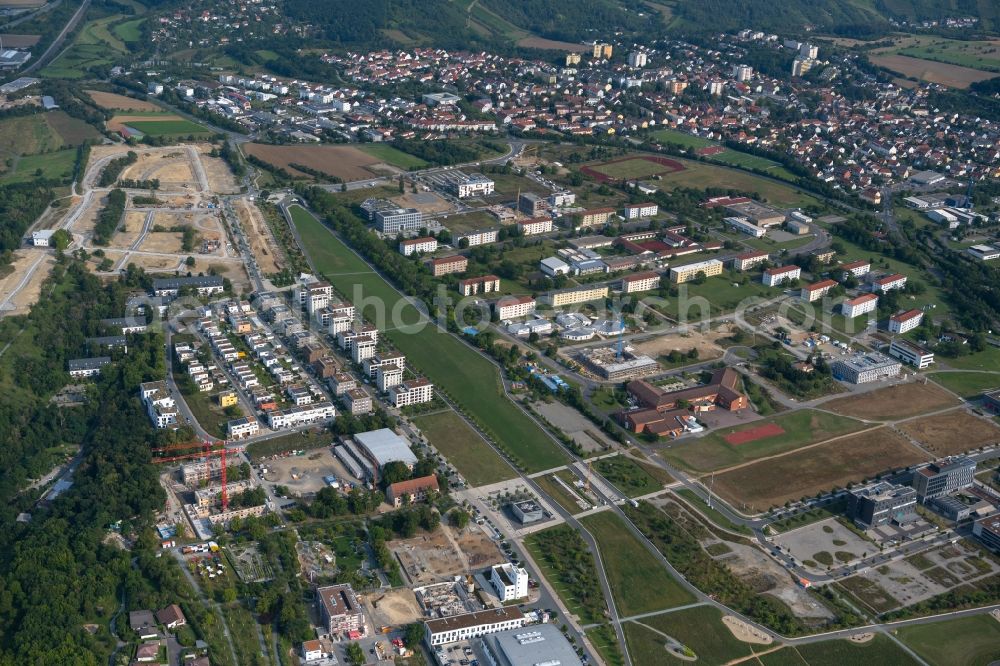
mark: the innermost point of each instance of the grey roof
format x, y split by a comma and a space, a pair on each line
385, 446
108, 341
193, 281
533, 644
123, 322
88, 363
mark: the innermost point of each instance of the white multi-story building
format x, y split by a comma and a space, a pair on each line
483, 237
816, 290
910, 353
512, 307
295, 416
636, 59
742, 72
242, 428
418, 245
637, 211
456, 628
747, 260
905, 321
362, 349
509, 581
888, 283
160, 405
640, 282
535, 225
388, 376
411, 392
858, 269
856, 307
474, 184
383, 360
775, 276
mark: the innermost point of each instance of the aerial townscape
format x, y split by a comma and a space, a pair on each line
499, 332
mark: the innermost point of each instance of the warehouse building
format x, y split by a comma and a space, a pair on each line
537, 644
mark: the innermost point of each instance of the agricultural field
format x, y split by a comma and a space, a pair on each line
94, 46
116, 102
156, 124
632, 477
931, 71
967, 384
799, 428
41, 133
700, 629
129, 31
636, 166
969, 641
464, 448
954, 432
639, 583
57, 165
805, 473
977, 54
894, 402
344, 162
470, 380
393, 156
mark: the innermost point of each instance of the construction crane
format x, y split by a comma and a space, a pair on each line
206, 451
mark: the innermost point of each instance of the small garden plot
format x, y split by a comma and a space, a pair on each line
249, 564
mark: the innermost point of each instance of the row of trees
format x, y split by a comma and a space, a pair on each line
110, 217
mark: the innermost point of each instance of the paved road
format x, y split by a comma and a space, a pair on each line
74, 20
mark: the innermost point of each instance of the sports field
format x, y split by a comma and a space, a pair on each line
638, 166
753, 434
464, 448
894, 402
639, 583
969, 641
467, 377
800, 428
820, 468
168, 125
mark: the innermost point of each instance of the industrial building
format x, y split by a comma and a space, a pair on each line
881, 503
538, 644
864, 368
384, 446
987, 530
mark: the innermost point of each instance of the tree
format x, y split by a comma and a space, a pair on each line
189, 262
413, 634
395, 472
61, 239
459, 518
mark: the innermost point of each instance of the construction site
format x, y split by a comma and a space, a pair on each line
445, 553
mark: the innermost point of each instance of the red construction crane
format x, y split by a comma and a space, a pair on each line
206, 451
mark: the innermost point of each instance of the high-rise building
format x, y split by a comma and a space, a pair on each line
636, 59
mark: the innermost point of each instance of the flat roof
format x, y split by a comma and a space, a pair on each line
339, 600
535, 644
456, 622
385, 446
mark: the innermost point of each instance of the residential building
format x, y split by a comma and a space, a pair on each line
640, 282
445, 265
159, 403
312, 650
342, 382
858, 269
147, 652
856, 307
242, 428
747, 260
531, 204
411, 491
411, 392
943, 477
537, 644
87, 367
602, 50
417, 245
903, 322
384, 359
987, 530
638, 211
865, 367
202, 285
911, 353
482, 237
512, 307
228, 399
775, 276
125, 325
295, 416
801, 65
465, 185
171, 617
339, 610
596, 216
485, 284
388, 376
509, 581
888, 283
363, 348
881, 503
688, 272
636, 59
456, 628
816, 290
534, 225
579, 295
357, 401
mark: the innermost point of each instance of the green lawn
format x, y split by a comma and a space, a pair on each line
722, 292
788, 656
558, 493
802, 427
54, 165
701, 175
682, 138
969, 641
988, 359
967, 384
700, 629
128, 31
468, 378
839, 652
302, 440
635, 167
393, 156
168, 127
638, 581
605, 640
712, 513
464, 448
631, 477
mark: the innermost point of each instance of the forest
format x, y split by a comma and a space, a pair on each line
20, 205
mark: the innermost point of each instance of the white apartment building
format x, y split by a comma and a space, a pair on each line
636, 59
295, 416
509, 581
640, 282
512, 307
534, 225
857, 268
388, 376
480, 237
888, 283
411, 392
388, 359
774, 276
905, 321
242, 428
362, 349
418, 245
747, 260
856, 307
160, 405
816, 290
638, 211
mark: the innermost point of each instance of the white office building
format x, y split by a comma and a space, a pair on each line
509, 581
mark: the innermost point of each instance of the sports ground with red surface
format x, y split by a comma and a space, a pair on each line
635, 166
753, 434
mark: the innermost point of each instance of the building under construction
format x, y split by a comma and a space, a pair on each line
611, 365
195, 473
